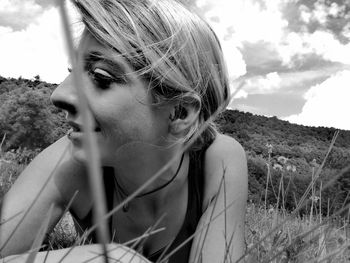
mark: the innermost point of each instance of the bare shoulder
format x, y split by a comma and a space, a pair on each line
225, 157
223, 145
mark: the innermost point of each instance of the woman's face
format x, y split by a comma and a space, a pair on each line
120, 103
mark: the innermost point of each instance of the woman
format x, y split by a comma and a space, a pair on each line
153, 74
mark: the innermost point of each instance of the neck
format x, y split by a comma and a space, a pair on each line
134, 168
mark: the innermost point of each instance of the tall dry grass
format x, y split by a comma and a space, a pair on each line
272, 234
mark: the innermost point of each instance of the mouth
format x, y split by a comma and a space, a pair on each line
77, 128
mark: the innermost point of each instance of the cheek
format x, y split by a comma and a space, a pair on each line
122, 124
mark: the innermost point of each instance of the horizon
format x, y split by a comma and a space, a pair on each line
291, 58
232, 109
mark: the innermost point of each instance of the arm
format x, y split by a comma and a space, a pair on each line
87, 253
223, 240
57, 189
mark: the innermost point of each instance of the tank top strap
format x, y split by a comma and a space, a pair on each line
193, 212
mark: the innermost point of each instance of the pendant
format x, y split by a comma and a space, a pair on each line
126, 207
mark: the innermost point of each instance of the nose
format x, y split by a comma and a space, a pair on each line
65, 97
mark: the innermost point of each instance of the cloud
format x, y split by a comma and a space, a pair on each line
18, 14
327, 104
247, 20
315, 28
302, 80
234, 59
282, 85
326, 45
37, 50
320, 43
240, 22
240, 94
262, 31
257, 85
263, 84
221, 24
261, 57
271, 104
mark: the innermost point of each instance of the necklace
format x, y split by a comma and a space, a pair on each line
126, 205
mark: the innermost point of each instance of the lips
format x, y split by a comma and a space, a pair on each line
77, 128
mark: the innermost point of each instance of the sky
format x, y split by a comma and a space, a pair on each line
290, 58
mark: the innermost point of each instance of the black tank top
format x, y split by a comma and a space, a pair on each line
192, 217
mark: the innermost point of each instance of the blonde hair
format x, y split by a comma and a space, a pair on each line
168, 45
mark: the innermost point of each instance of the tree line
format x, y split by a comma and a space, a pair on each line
29, 123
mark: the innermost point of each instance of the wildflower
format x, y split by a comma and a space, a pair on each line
314, 198
269, 148
313, 163
277, 166
282, 159
291, 167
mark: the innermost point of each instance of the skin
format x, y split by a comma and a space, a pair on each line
136, 139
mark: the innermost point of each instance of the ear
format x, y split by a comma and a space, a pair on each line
182, 117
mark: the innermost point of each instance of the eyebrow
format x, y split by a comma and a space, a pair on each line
95, 56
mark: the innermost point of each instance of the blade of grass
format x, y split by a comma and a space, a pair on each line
141, 241
46, 256
227, 247
301, 204
127, 243
302, 235
335, 252
147, 231
164, 252
224, 169
196, 233
35, 199
10, 218
2, 142
222, 182
143, 238
267, 180
89, 140
166, 166
40, 236
156, 231
318, 172
151, 180
69, 205
317, 226
20, 256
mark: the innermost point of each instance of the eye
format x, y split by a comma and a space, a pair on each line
103, 79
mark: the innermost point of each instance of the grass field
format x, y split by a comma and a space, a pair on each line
297, 240
272, 235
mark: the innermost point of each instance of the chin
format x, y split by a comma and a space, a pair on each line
79, 154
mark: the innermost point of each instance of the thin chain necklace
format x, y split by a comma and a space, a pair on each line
126, 205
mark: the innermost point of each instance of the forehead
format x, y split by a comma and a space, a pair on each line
89, 44
91, 50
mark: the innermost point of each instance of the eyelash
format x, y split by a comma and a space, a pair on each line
101, 80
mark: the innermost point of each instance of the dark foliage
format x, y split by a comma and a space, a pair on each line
27, 118
31, 123
303, 148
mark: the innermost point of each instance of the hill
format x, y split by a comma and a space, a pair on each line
290, 140
288, 152
293, 153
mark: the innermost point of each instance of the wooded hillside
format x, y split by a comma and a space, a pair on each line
29, 123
